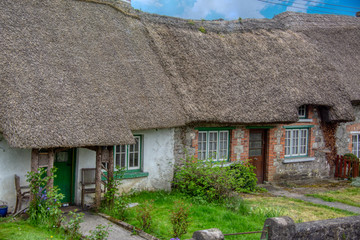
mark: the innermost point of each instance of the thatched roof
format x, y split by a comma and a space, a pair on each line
76, 73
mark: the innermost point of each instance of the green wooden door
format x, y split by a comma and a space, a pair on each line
65, 164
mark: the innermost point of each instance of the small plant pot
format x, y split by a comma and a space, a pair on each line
3, 210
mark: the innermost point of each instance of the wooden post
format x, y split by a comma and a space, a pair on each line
111, 168
51, 156
98, 178
34, 164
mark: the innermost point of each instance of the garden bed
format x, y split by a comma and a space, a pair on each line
248, 217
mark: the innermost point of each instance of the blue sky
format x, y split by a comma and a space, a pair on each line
233, 9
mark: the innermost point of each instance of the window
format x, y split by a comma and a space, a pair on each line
356, 144
296, 142
129, 156
302, 111
213, 145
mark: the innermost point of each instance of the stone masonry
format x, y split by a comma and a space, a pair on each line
276, 166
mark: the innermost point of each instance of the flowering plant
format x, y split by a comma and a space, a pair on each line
45, 204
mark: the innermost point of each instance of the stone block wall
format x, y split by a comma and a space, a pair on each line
314, 165
344, 133
284, 228
277, 167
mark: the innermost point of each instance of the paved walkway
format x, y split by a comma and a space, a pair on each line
278, 191
116, 232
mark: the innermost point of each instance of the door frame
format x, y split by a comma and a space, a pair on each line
71, 153
264, 150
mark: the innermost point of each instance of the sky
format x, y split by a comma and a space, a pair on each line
233, 9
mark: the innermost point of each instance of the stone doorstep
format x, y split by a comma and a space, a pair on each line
128, 227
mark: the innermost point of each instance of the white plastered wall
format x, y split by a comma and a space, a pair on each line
12, 161
85, 158
157, 159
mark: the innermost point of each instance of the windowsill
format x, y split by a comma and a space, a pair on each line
298, 159
128, 175
305, 120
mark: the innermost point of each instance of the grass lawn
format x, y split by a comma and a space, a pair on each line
205, 215
350, 196
20, 229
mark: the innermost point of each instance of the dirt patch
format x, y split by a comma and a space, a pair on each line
314, 187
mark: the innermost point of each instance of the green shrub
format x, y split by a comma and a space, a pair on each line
44, 208
73, 226
144, 214
351, 157
238, 205
244, 176
179, 218
101, 232
202, 29
211, 181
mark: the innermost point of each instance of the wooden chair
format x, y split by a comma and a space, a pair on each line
87, 182
20, 196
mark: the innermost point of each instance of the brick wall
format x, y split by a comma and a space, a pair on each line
275, 169
343, 133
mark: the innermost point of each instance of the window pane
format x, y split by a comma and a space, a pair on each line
302, 111
202, 146
287, 142
356, 145
256, 136
120, 153
213, 138
303, 142
295, 142
223, 148
134, 154
255, 152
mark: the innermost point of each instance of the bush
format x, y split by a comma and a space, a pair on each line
211, 181
44, 208
73, 225
238, 205
179, 218
101, 232
351, 157
144, 214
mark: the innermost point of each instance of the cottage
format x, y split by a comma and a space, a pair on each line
87, 84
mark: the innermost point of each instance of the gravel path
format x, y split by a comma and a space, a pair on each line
116, 232
278, 191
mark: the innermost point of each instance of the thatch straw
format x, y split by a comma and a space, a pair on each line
77, 73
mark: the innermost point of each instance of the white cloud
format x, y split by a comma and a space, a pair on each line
298, 6
230, 9
155, 3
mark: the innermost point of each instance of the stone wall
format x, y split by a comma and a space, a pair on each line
314, 165
277, 167
343, 133
284, 228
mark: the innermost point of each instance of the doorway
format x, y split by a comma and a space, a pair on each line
257, 147
65, 176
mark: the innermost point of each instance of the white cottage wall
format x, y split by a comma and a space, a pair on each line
12, 161
85, 159
158, 161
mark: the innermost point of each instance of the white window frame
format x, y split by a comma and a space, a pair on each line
127, 155
207, 142
356, 144
302, 111
294, 146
